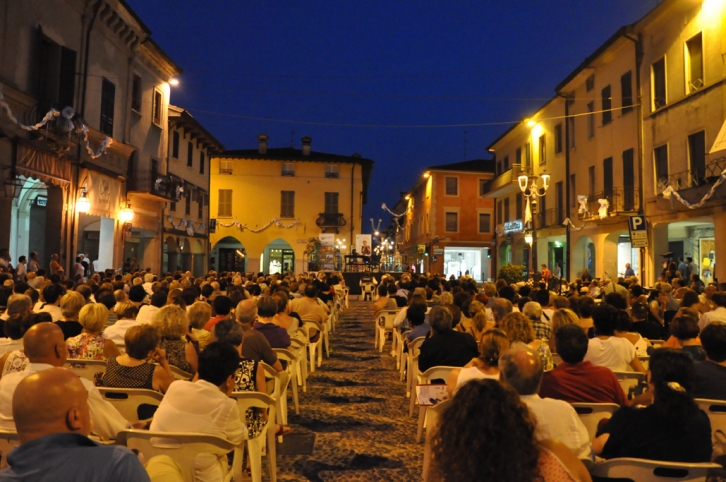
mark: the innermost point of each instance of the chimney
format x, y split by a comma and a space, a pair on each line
306, 141
262, 143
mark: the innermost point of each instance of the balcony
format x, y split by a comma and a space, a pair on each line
330, 221
155, 186
693, 185
622, 201
506, 183
550, 218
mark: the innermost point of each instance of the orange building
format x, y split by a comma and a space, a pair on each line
449, 223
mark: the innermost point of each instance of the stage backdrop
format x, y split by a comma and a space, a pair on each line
363, 244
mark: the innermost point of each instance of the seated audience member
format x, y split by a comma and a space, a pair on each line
500, 308
136, 368
91, 344
585, 305
401, 320
710, 379
71, 305
401, 301
204, 407
684, 327
277, 336
198, 315
575, 380
487, 433
717, 315
256, 346
519, 328
171, 323
607, 350
561, 317
147, 312
486, 365
15, 328
282, 318
542, 328
45, 348
126, 313
416, 315
54, 436
222, 307
521, 368
445, 347
52, 295
476, 324
384, 302
643, 324
18, 304
137, 295
623, 325
672, 428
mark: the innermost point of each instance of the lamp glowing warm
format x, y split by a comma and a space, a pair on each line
127, 214
83, 205
528, 237
174, 81
426, 175
531, 123
545, 181
377, 233
523, 181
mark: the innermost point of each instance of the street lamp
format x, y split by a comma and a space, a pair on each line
531, 191
83, 205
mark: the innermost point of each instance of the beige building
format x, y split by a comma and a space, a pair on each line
99, 59
266, 204
186, 223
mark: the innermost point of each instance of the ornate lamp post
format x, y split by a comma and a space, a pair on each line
531, 192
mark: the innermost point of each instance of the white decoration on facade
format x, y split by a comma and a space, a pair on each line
275, 222
669, 192
583, 204
385, 208
572, 226
603, 209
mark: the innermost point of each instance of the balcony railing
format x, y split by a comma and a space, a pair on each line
621, 201
160, 186
549, 218
506, 179
330, 220
702, 176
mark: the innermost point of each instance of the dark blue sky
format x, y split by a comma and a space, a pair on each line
373, 63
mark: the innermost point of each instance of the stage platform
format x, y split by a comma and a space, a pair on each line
352, 279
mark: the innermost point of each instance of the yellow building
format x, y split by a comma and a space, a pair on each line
267, 203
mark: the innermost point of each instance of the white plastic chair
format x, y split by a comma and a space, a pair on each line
716, 411
633, 383
298, 344
273, 379
399, 341
384, 325
180, 374
652, 470
127, 400
315, 356
182, 447
266, 438
656, 343
434, 415
368, 291
8, 442
592, 413
424, 379
92, 370
413, 371
291, 359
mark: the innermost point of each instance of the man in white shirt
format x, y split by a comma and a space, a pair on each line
521, 368
147, 312
126, 313
20, 270
608, 350
204, 407
715, 316
52, 297
45, 348
33, 265
78, 268
148, 282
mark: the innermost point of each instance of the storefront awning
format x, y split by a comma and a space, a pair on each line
43, 166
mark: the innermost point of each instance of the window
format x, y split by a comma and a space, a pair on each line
661, 163
607, 177
225, 166
225, 203
591, 120
697, 156
543, 211
559, 202
500, 216
519, 156
136, 94
527, 155
108, 99
190, 153
628, 180
485, 223
591, 182
558, 138
56, 74
201, 162
542, 149
505, 163
590, 83
156, 108
518, 206
172, 206
452, 222
694, 63
482, 187
288, 169
626, 92
331, 202
571, 131
607, 105
658, 81
573, 192
452, 186
506, 210
188, 205
287, 204
331, 170
175, 145
499, 167
200, 206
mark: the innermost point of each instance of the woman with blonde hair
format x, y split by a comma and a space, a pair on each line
561, 317
199, 314
173, 328
476, 324
71, 305
90, 344
519, 328
486, 365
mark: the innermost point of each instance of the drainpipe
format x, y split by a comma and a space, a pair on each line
352, 203
567, 184
87, 56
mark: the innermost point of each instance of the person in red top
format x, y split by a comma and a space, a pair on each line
222, 306
546, 274
578, 381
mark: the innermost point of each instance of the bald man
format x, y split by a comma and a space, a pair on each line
54, 436
44, 346
521, 368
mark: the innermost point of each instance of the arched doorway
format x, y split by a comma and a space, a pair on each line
171, 255
521, 254
28, 220
185, 248
583, 257
504, 256
229, 255
278, 257
617, 251
198, 259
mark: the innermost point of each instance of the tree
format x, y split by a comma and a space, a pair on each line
511, 273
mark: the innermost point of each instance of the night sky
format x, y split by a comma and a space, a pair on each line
376, 66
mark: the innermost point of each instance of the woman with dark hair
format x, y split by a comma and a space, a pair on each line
606, 349
490, 417
623, 326
684, 328
486, 365
691, 300
671, 429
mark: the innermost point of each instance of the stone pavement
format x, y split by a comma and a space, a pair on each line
357, 410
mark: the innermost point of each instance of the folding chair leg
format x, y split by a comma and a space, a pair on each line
421, 420
313, 346
295, 402
412, 402
272, 456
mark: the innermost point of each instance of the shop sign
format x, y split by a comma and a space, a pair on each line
638, 232
513, 227
421, 249
41, 201
438, 250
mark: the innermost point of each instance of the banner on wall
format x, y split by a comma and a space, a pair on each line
327, 240
363, 244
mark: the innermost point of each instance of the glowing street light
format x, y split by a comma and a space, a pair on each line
83, 205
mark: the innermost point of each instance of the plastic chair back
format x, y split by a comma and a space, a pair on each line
433, 373
434, 415
273, 381
716, 411
413, 371
633, 383
8, 442
182, 447
127, 400
180, 374
651, 470
266, 438
592, 413
92, 370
